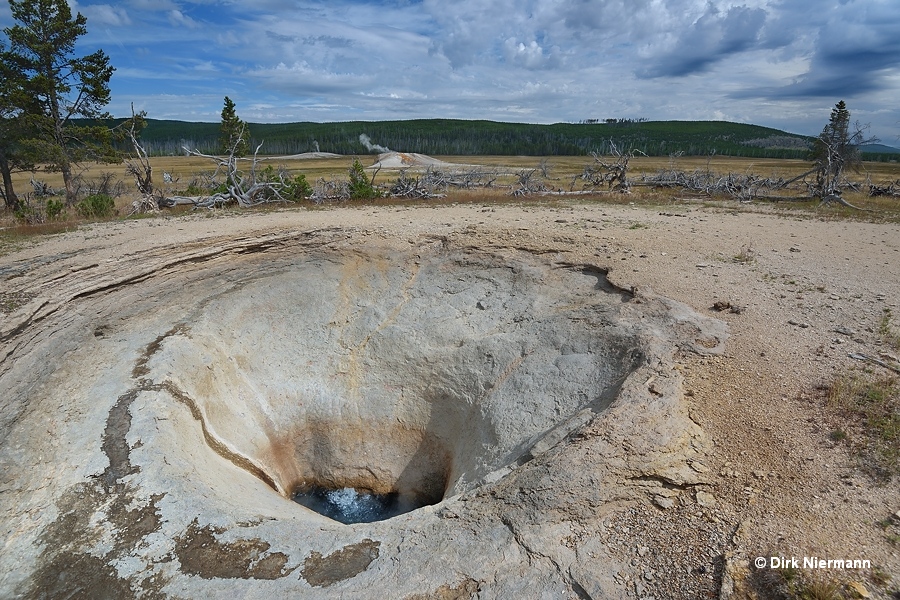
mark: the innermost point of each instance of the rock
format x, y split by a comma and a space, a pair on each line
705, 499
663, 502
858, 590
698, 466
735, 572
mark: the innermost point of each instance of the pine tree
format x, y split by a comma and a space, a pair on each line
835, 149
235, 133
360, 186
55, 87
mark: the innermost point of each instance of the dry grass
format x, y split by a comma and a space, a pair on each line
560, 168
560, 173
888, 331
869, 408
790, 584
745, 256
13, 235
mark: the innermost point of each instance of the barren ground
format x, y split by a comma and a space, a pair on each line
780, 485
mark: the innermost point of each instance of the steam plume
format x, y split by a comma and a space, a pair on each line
367, 142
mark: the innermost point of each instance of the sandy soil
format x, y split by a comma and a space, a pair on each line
778, 484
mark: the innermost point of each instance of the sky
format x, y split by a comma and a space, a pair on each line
779, 63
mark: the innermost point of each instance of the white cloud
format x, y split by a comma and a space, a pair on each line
531, 55
179, 19
301, 78
768, 61
105, 14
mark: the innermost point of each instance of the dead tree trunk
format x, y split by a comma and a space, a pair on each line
139, 167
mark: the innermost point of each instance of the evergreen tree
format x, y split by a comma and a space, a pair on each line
361, 187
836, 149
235, 133
54, 87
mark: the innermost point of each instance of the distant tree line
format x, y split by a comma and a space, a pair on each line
459, 137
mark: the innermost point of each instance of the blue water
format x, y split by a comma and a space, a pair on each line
348, 505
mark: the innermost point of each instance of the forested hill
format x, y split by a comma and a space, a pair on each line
456, 137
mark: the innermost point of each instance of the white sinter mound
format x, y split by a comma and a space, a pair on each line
403, 160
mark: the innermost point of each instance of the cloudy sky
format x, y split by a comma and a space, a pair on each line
781, 63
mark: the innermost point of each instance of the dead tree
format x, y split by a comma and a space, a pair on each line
247, 189
743, 187
42, 189
527, 184
474, 177
424, 187
887, 189
614, 175
332, 189
138, 166
544, 168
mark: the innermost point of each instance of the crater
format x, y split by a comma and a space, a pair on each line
367, 384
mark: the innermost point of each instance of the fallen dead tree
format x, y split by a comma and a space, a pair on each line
467, 178
743, 187
359, 186
43, 189
610, 172
431, 184
887, 189
326, 190
750, 187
